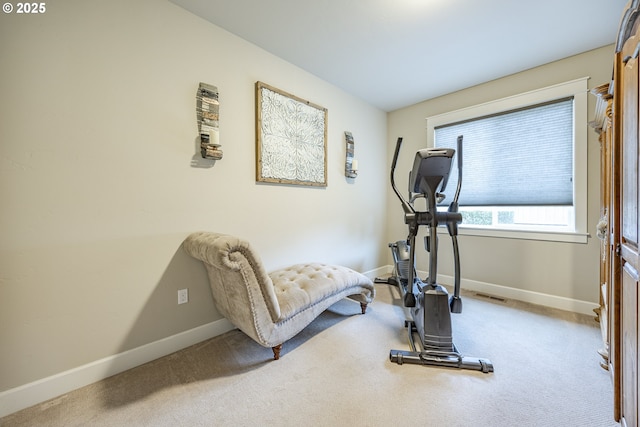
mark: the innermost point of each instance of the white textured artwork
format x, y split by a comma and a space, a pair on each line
291, 136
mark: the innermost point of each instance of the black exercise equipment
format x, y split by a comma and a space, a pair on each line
429, 303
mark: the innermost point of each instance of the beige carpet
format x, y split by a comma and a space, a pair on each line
337, 373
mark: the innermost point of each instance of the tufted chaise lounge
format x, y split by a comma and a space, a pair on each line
271, 307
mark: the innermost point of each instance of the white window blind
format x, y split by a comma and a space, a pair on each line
522, 157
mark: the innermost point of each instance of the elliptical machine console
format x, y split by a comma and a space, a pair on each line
429, 303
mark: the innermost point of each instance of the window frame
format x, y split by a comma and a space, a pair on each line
578, 89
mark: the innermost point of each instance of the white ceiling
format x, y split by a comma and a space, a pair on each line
395, 53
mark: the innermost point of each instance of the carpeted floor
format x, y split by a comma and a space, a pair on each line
337, 373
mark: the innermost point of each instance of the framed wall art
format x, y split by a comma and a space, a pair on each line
291, 139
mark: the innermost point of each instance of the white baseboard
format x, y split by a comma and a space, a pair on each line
538, 298
44, 389
547, 300
377, 272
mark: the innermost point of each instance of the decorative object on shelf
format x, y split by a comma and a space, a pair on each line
601, 228
291, 139
208, 110
351, 164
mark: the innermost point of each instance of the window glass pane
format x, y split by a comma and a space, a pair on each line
523, 157
548, 218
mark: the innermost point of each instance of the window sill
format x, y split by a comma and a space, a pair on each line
548, 236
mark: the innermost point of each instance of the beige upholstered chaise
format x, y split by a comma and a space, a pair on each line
271, 307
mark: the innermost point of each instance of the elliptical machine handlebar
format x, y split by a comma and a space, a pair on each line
453, 207
409, 298
406, 206
455, 304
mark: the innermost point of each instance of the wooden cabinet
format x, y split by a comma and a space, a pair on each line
627, 114
617, 117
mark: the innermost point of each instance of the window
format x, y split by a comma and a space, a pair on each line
524, 163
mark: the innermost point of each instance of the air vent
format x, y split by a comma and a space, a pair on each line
491, 297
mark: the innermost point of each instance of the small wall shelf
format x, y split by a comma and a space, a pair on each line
351, 164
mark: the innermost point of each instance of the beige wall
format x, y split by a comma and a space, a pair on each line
565, 270
100, 181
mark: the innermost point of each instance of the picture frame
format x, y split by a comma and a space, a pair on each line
291, 139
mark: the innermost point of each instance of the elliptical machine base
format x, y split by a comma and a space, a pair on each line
436, 348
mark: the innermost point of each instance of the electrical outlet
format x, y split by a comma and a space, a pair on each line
183, 296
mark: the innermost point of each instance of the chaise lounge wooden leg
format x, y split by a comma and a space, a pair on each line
363, 306
276, 351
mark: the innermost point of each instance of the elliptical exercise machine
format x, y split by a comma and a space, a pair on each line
429, 302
